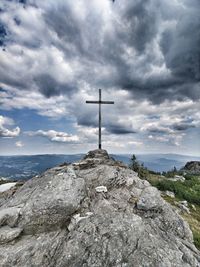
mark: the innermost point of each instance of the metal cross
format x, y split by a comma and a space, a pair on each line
100, 102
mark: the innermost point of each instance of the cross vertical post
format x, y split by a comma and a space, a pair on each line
100, 102
99, 118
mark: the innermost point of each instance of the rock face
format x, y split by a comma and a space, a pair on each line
192, 167
93, 213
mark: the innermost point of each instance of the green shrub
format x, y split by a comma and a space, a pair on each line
142, 171
188, 190
196, 237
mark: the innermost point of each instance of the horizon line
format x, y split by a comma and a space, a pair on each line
83, 153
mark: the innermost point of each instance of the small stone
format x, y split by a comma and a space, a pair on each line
77, 218
170, 194
129, 181
149, 199
193, 207
133, 200
100, 189
177, 178
184, 202
183, 205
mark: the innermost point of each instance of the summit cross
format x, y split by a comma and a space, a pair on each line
100, 102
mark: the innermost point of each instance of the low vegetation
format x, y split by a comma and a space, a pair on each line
184, 190
188, 190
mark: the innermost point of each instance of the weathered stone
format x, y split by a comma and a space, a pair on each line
184, 202
183, 205
9, 216
192, 167
45, 202
8, 234
150, 199
170, 194
177, 178
61, 220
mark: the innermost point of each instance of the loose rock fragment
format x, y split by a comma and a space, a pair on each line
100, 189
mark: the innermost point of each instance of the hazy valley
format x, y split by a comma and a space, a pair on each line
25, 167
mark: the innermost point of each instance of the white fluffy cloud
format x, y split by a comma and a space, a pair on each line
55, 107
172, 139
55, 136
19, 144
6, 132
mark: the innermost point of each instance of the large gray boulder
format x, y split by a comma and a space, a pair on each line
192, 167
93, 213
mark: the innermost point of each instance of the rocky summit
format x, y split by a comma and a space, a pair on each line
93, 213
192, 167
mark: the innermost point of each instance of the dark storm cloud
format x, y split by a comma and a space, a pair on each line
181, 47
116, 128
158, 129
88, 119
85, 118
66, 25
141, 22
182, 127
3, 34
12, 80
49, 87
23, 1
18, 1
86, 40
149, 48
17, 21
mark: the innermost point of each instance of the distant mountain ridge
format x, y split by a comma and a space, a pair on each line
159, 162
25, 167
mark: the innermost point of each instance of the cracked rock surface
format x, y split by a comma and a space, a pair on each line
93, 213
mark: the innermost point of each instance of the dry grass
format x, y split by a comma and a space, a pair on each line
193, 219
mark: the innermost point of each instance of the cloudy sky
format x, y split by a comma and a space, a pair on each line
55, 55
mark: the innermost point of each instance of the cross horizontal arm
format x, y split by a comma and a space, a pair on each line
107, 102
100, 102
92, 102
